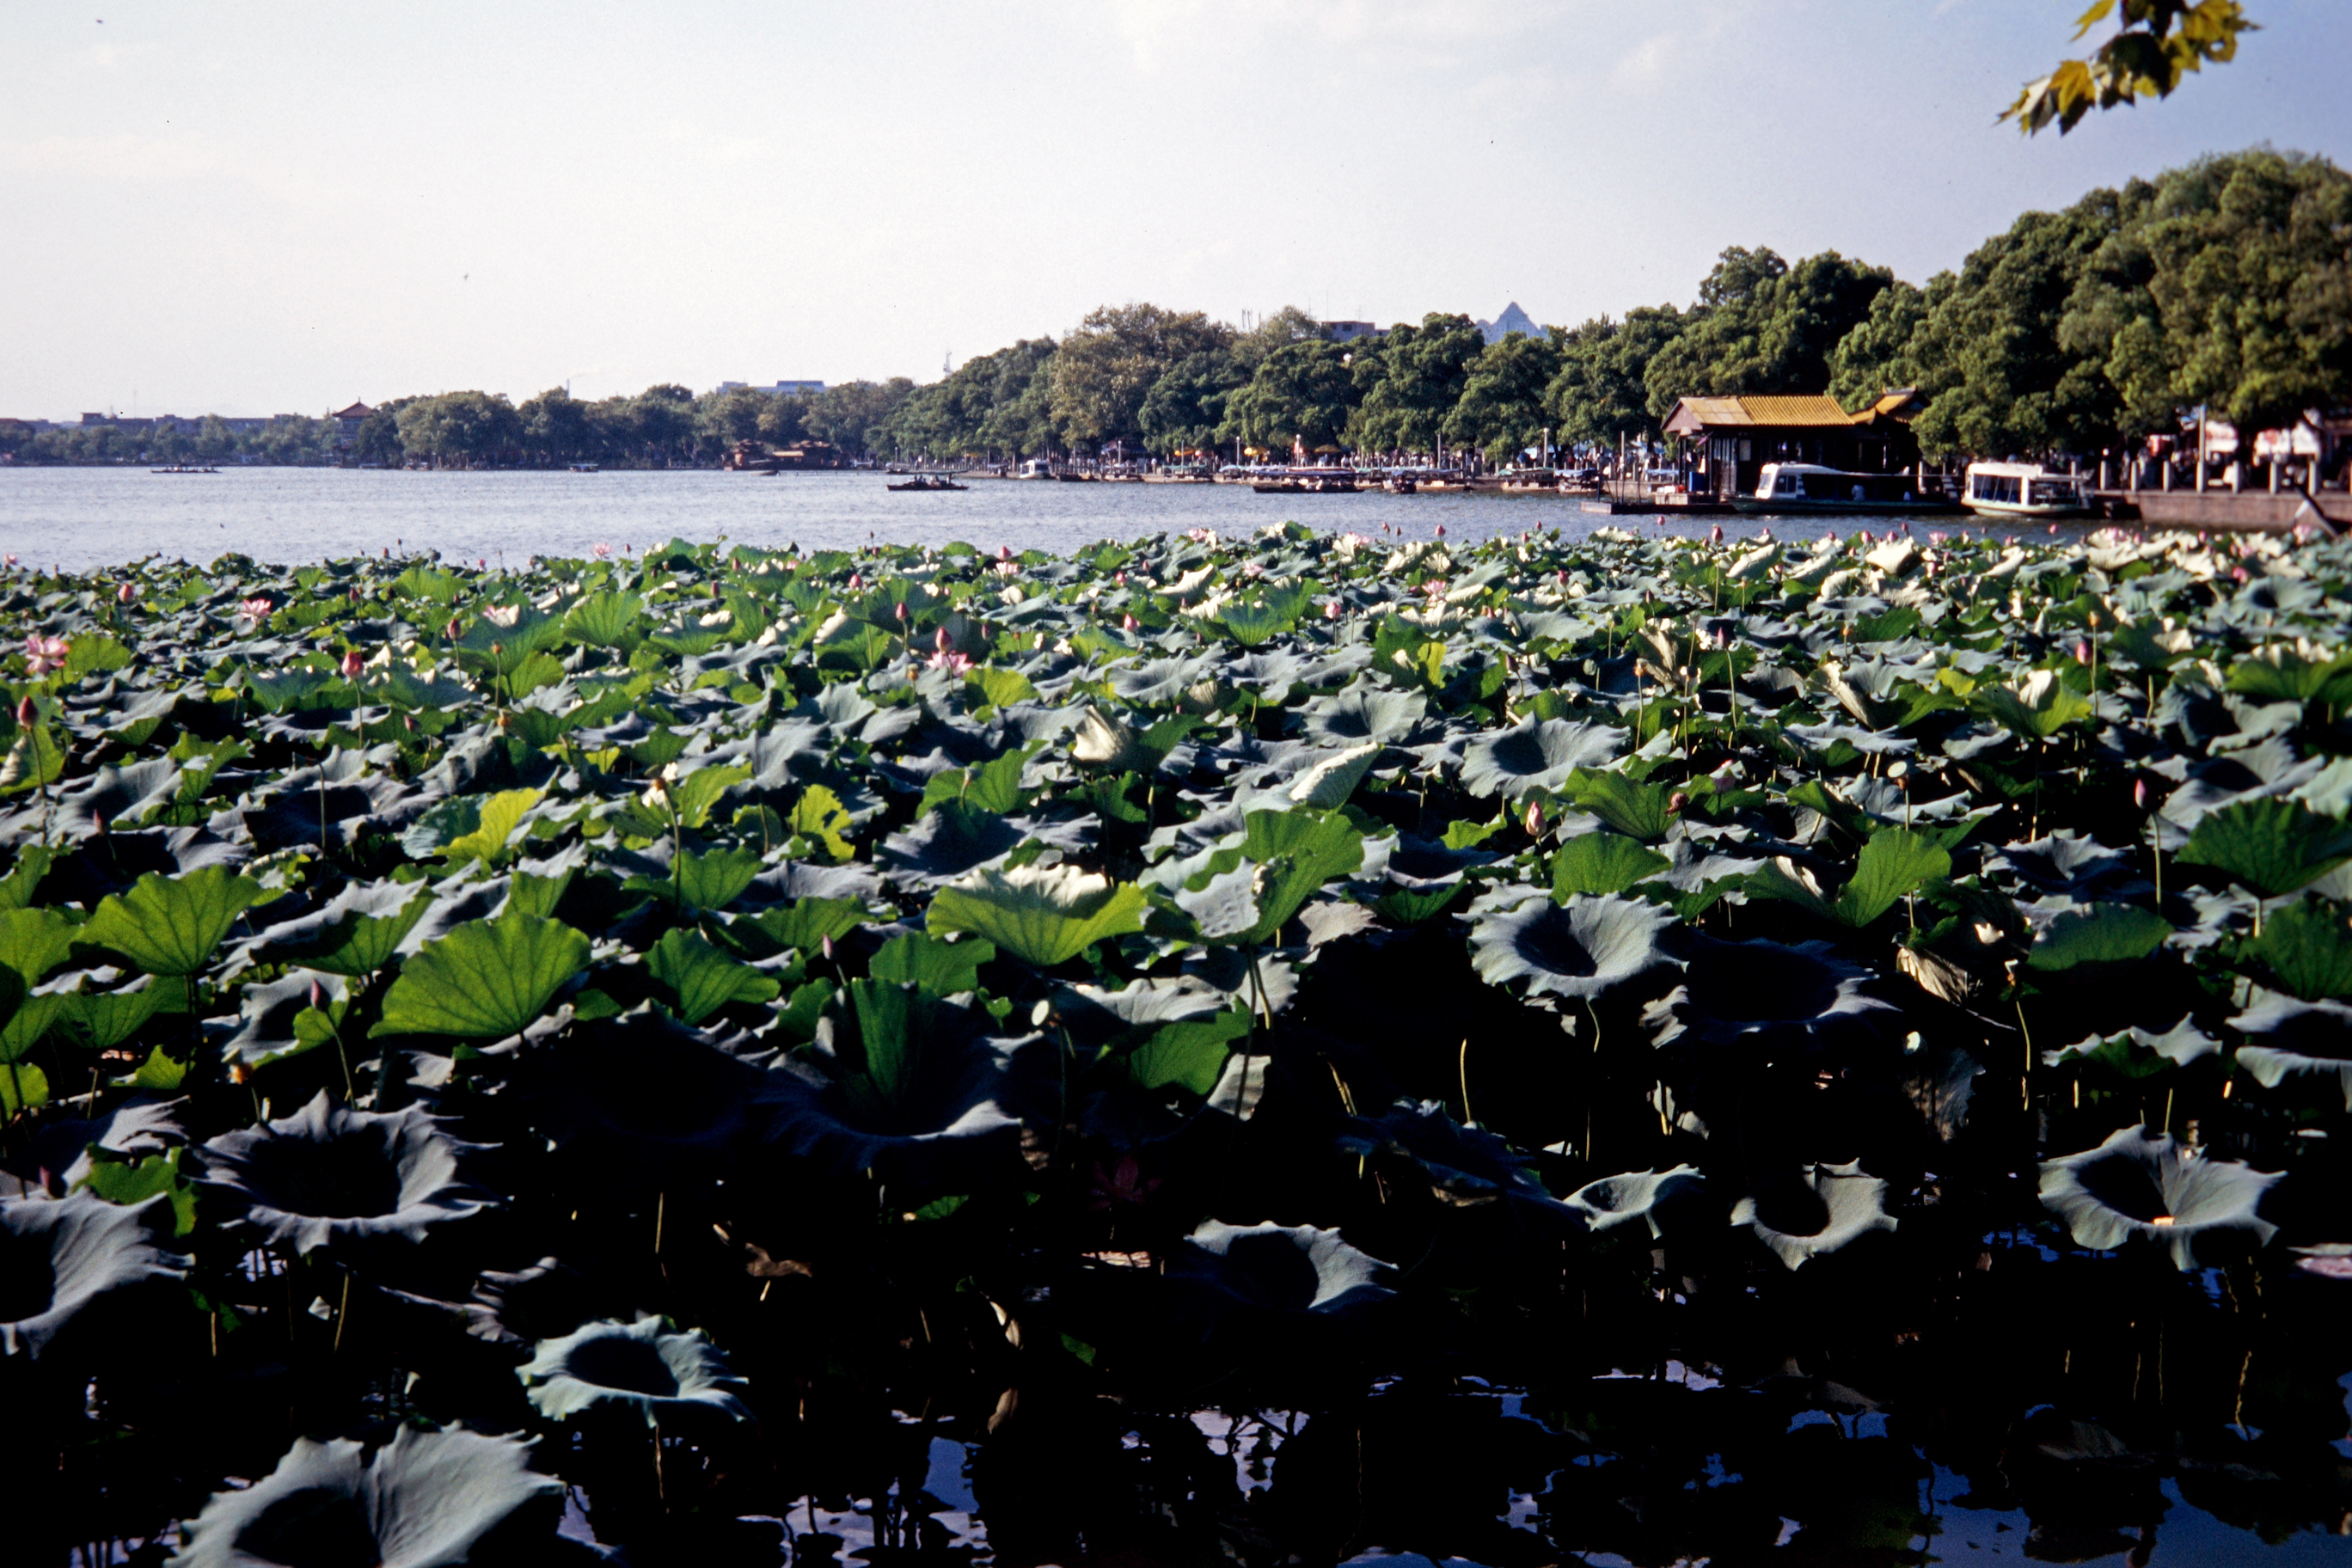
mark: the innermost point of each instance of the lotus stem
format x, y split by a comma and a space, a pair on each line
1463, 1068
661, 1200
343, 1314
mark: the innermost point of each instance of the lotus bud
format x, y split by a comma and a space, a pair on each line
25, 713
1440, 530
450, 631
1118, 579
2094, 620
317, 997
408, 722
824, 945
2238, 574
1331, 609
2083, 653
98, 819
1677, 801
2140, 793
355, 594
857, 580
496, 650
1127, 623
125, 594
1534, 821
1715, 535
901, 611
941, 641
352, 663
1004, 553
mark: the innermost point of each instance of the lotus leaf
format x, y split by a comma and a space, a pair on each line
2271, 846
1536, 755
486, 979
648, 1369
1654, 1197
332, 1176
1579, 949
170, 925
1043, 915
1815, 1210
59, 1258
2144, 1184
1299, 1269
425, 1499
1776, 998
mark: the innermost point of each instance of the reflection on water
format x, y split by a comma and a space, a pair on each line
80, 518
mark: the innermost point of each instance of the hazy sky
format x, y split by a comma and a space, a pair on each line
260, 207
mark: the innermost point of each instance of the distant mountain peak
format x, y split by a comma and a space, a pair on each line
1512, 320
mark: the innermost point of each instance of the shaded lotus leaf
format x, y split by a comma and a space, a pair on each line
1465, 1165
2309, 948
951, 841
2287, 1039
61, 1256
425, 1499
2146, 1184
2064, 863
1940, 1080
355, 932
1536, 754
544, 1302
1043, 915
911, 1088
113, 798
2269, 844
1774, 996
1364, 714
1579, 949
642, 1090
1815, 1210
138, 1126
2098, 934
2137, 1052
330, 1175
669, 1378
1295, 1268
279, 1019
1654, 1197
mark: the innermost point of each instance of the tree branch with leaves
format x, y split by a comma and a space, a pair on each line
2159, 43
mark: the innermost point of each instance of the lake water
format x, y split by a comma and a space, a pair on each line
83, 518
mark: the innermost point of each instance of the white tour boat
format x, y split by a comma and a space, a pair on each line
2023, 489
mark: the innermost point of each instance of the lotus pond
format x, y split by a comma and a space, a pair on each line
1272, 1049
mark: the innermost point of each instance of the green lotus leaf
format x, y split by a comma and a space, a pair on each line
697, 979
170, 925
1043, 915
1816, 1210
805, 923
2039, 705
2098, 934
2146, 1186
706, 882
425, 1499
934, 965
358, 931
2269, 844
606, 618
34, 942
2137, 1052
1602, 863
485, 979
648, 1369
130, 1180
495, 822
1895, 862
820, 817
1637, 810
1191, 1052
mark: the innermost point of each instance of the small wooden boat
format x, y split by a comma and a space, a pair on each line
929, 482
184, 468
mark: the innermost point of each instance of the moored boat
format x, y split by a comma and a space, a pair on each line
1810, 487
2023, 489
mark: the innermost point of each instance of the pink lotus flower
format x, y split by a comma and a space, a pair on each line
2140, 793
1124, 1184
601, 551
352, 664
1127, 623
256, 608
949, 660
43, 655
1331, 609
1004, 553
124, 593
1118, 579
502, 615
1936, 536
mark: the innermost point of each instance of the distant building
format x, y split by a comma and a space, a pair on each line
781, 389
1349, 332
348, 421
1512, 320
1726, 441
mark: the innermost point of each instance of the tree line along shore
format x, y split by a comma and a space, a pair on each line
2225, 285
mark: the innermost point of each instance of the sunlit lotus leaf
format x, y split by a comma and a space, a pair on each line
2039, 706
1776, 997
2309, 948
1815, 1210
1654, 1197
1579, 949
671, 1379
1331, 781
59, 1257
1602, 863
1044, 915
170, 925
2148, 1185
425, 1499
1268, 1268
1536, 754
2271, 846
329, 1175
2138, 1052
485, 979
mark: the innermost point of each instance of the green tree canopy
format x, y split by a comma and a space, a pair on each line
1599, 394
1502, 408
1185, 407
1762, 326
1410, 381
1106, 369
1302, 394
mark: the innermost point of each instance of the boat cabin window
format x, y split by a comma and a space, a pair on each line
2059, 493
1785, 485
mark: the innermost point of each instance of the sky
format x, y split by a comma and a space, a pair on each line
251, 207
